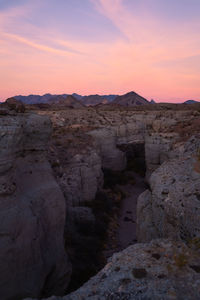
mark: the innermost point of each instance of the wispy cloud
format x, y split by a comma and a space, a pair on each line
40, 56
39, 46
12, 14
149, 32
14, 26
116, 12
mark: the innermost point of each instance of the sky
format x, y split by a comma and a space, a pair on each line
151, 47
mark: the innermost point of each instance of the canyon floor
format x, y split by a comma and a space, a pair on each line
128, 217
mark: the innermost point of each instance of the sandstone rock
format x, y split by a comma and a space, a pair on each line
158, 270
173, 205
33, 261
158, 148
145, 218
82, 178
112, 158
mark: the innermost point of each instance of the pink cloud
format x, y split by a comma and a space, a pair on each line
39, 46
46, 61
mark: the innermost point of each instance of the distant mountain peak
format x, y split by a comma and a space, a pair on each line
191, 101
130, 99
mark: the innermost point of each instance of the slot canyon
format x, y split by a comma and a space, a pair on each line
100, 203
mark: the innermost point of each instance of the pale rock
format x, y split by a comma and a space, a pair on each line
174, 201
159, 270
33, 261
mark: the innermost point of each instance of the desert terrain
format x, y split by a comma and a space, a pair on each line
99, 202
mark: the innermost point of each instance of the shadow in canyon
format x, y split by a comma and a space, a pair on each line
91, 243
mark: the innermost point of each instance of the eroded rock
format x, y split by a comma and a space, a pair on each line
172, 207
161, 269
33, 261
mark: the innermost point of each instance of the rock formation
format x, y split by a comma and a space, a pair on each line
158, 270
33, 261
11, 104
84, 142
172, 208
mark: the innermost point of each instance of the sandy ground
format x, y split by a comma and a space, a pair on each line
124, 233
127, 219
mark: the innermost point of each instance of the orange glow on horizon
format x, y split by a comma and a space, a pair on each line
157, 64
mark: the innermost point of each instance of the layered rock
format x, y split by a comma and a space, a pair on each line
33, 261
172, 207
161, 269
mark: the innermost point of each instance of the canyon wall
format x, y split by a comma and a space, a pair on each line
39, 202
171, 208
163, 134
164, 210
159, 268
33, 261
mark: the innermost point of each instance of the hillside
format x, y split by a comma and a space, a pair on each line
130, 99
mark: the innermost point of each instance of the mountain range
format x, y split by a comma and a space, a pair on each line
76, 100
129, 99
86, 100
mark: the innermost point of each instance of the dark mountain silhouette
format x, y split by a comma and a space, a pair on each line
86, 100
191, 102
130, 99
68, 101
97, 99
36, 99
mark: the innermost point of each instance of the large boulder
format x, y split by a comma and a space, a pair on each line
33, 261
160, 270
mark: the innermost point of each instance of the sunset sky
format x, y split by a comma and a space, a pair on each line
151, 47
